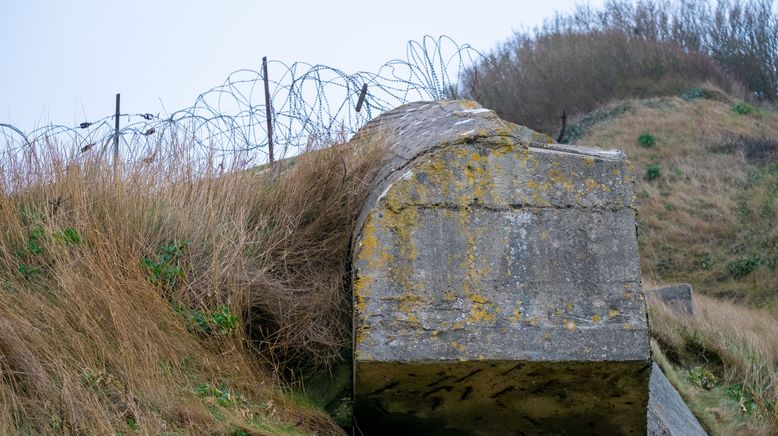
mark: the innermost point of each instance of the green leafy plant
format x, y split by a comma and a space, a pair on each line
225, 322
695, 93
32, 249
743, 108
32, 252
165, 269
222, 395
35, 238
707, 262
746, 397
219, 322
653, 171
743, 266
28, 271
702, 378
647, 140
68, 236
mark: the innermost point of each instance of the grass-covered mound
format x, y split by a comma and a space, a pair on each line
185, 301
175, 301
706, 169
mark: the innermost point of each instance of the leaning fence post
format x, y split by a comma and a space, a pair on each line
268, 115
362, 95
116, 174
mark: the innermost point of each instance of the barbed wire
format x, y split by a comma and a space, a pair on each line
310, 106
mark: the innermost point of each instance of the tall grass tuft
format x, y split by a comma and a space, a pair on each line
174, 299
739, 345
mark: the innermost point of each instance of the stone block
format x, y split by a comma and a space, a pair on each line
679, 297
668, 415
496, 282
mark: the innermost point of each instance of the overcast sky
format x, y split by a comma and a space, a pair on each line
63, 61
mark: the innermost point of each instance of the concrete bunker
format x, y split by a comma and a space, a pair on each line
496, 282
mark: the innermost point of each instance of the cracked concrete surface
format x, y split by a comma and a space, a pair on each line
485, 246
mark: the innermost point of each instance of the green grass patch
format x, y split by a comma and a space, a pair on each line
743, 108
646, 140
653, 171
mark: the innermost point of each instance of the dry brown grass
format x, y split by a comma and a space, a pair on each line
700, 216
90, 344
711, 209
738, 344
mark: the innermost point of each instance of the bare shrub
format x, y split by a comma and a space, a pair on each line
589, 57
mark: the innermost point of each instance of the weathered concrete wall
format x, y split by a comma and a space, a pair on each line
496, 282
668, 415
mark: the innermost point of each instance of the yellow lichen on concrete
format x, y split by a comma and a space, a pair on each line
569, 325
401, 221
613, 313
500, 151
360, 289
535, 186
457, 346
478, 314
596, 318
560, 179
479, 299
369, 242
449, 296
591, 185
516, 315
409, 303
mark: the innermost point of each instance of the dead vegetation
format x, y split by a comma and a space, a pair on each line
706, 184
175, 301
705, 188
724, 360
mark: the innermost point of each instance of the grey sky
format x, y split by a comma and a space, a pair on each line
63, 61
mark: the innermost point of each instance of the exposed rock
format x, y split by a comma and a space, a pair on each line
679, 297
496, 282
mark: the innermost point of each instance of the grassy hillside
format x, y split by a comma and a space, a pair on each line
186, 302
169, 303
707, 184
